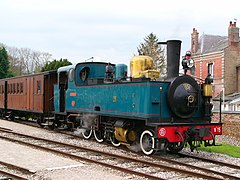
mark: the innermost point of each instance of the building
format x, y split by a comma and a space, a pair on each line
220, 57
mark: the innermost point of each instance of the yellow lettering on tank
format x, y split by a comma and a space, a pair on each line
114, 98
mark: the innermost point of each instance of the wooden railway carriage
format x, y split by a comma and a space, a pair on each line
28, 96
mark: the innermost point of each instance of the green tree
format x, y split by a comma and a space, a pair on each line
151, 48
55, 64
4, 64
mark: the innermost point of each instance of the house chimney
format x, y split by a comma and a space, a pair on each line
233, 34
194, 46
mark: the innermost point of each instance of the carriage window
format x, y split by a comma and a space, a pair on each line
84, 73
38, 87
18, 88
11, 89
21, 87
14, 88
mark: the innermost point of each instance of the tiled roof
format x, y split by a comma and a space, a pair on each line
211, 43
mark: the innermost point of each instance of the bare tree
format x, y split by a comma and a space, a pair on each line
27, 61
15, 63
39, 60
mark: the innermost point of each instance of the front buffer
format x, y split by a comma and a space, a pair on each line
194, 135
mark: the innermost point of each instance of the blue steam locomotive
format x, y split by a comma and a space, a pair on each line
141, 110
99, 99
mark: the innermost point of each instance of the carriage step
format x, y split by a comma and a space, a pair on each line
62, 128
8, 115
47, 124
49, 118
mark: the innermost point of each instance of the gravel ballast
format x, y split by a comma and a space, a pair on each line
47, 165
52, 166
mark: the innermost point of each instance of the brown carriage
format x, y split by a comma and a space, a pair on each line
28, 96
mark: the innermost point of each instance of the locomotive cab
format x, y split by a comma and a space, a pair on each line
90, 73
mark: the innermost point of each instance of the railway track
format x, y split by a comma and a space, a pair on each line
206, 165
11, 171
216, 162
139, 166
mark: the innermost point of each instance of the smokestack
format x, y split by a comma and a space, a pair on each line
173, 58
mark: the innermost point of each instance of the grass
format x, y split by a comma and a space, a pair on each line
227, 149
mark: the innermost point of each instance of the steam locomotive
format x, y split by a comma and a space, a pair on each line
100, 99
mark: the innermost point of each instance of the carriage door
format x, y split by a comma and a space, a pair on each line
63, 86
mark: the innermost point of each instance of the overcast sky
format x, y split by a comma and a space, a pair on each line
109, 30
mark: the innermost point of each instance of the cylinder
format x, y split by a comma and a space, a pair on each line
173, 58
121, 71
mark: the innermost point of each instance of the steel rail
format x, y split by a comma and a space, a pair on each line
210, 160
12, 175
6, 129
198, 168
22, 169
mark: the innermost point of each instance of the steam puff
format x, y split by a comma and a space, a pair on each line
87, 120
135, 147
